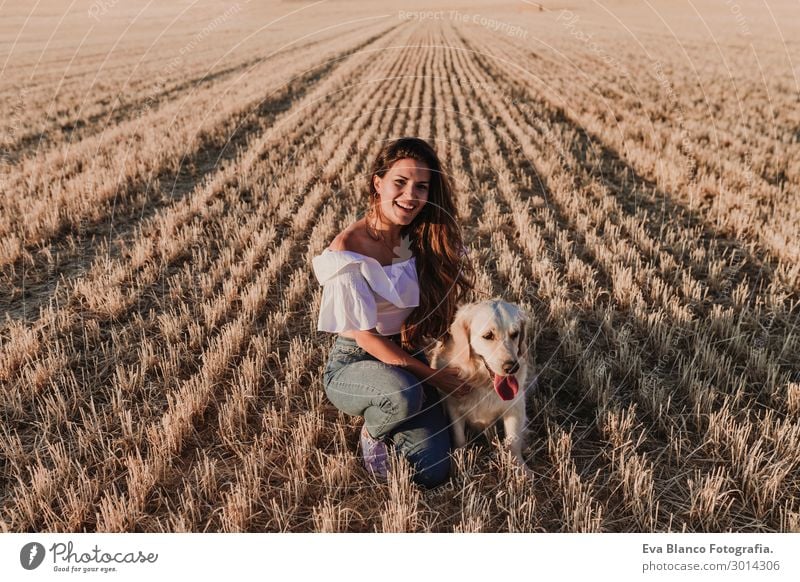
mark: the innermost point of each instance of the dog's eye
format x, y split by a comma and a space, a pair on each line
488, 336
513, 334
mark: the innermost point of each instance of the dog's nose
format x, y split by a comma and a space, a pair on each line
510, 367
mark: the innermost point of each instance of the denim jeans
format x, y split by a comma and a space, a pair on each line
397, 407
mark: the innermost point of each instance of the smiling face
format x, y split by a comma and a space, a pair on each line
403, 190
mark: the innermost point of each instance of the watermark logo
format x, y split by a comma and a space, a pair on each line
403, 251
31, 555
100, 7
457, 16
67, 558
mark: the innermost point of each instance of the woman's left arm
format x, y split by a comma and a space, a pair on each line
390, 353
384, 349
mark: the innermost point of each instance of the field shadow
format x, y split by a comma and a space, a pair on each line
629, 186
35, 285
84, 127
622, 175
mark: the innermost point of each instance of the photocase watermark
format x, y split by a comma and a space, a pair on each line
100, 7
14, 114
556, 144
569, 20
177, 62
490, 23
686, 145
749, 174
736, 10
522, 105
402, 252
547, 133
31, 555
474, 85
65, 558
453, 485
210, 27
422, 14
464, 17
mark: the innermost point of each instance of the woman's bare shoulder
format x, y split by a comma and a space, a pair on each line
353, 238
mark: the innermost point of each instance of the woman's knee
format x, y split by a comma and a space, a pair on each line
431, 470
428, 451
407, 400
369, 383
400, 390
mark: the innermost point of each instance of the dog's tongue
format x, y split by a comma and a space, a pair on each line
505, 386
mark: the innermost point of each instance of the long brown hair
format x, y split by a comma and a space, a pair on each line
444, 270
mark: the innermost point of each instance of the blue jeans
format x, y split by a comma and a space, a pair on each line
397, 407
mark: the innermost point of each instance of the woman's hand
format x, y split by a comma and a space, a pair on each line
448, 381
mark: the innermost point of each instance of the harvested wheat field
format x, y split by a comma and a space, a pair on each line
629, 172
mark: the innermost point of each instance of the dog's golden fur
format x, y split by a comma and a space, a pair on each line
504, 353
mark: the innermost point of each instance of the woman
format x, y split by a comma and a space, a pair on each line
391, 284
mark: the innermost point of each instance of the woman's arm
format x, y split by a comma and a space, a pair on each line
390, 353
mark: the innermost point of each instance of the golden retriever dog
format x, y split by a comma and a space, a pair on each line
487, 344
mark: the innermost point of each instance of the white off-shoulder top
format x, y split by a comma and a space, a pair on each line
359, 293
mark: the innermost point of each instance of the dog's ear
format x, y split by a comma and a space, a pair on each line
460, 331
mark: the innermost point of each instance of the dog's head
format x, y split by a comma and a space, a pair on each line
491, 334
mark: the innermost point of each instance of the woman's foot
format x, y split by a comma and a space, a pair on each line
374, 455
